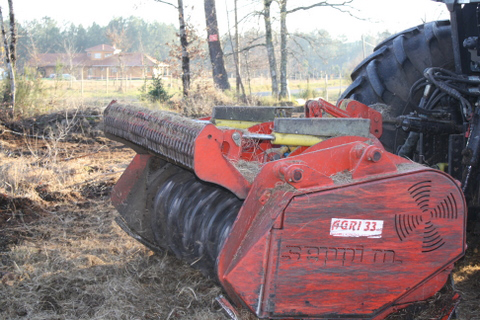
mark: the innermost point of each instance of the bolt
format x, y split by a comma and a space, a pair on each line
296, 175
265, 196
374, 155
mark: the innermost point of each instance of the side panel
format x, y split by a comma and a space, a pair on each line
355, 251
130, 195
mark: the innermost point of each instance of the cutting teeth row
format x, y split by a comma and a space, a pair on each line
164, 133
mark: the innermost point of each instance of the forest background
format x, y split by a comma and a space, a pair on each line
305, 59
312, 55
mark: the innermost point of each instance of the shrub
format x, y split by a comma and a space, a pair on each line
28, 92
155, 91
308, 93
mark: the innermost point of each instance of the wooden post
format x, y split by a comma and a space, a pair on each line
326, 86
341, 78
81, 81
107, 79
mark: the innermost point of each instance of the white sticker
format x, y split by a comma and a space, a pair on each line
356, 228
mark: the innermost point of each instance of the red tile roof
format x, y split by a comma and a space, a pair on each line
134, 59
101, 48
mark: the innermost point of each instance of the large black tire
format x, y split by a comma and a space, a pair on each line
386, 76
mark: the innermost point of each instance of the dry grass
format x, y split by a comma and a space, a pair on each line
63, 257
467, 280
79, 265
61, 254
203, 97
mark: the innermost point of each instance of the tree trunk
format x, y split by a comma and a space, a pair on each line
185, 55
220, 76
8, 61
270, 49
13, 35
283, 49
239, 83
183, 44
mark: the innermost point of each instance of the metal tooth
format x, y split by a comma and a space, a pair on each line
152, 135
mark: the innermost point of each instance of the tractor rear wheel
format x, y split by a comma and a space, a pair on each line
383, 80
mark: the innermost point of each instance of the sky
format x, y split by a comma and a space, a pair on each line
376, 15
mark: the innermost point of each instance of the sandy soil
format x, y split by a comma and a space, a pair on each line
63, 257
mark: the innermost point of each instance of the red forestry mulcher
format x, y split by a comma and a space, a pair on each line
321, 216
297, 218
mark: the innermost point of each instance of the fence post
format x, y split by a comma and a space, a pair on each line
81, 81
326, 86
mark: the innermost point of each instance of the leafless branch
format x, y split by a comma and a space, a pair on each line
323, 4
313, 45
257, 38
166, 2
247, 48
337, 6
348, 12
252, 47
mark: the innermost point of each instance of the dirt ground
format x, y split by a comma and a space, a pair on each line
62, 256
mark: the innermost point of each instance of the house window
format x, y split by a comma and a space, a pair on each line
90, 72
108, 55
114, 70
98, 56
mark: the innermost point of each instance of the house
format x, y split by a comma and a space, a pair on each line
100, 62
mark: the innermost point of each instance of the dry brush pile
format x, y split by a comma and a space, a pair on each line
63, 257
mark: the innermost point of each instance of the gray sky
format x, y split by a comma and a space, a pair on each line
380, 15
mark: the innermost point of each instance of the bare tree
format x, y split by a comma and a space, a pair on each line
236, 60
220, 76
238, 77
283, 49
342, 6
70, 54
10, 53
270, 48
253, 55
184, 45
117, 34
